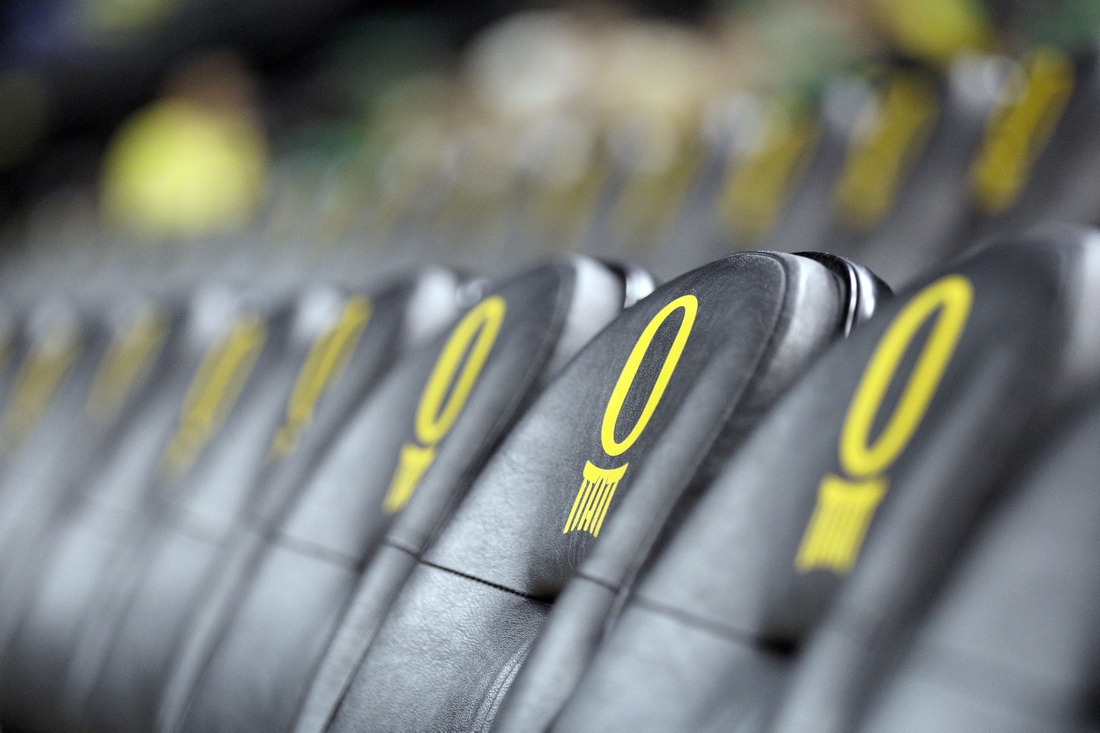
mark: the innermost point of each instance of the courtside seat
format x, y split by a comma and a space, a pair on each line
1010, 643
637, 421
337, 345
80, 388
893, 440
422, 436
225, 339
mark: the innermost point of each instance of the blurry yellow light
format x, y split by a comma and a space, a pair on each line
936, 30
177, 169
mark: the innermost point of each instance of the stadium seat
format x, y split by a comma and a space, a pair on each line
708, 639
418, 441
638, 419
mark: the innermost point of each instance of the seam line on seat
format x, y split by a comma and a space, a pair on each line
720, 629
498, 586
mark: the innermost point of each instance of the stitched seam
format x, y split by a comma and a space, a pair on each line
399, 544
498, 586
691, 620
599, 581
314, 550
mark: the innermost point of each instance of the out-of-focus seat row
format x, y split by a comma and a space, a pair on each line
641, 402
766, 495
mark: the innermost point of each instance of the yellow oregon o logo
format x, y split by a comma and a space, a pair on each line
473, 338
612, 447
846, 505
949, 300
324, 365
468, 347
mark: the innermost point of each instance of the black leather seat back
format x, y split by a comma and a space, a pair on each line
416, 443
124, 357
902, 198
697, 361
899, 433
402, 318
1040, 157
208, 365
726, 396
1011, 643
196, 537
201, 483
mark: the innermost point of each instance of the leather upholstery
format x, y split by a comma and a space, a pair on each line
708, 640
122, 357
1057, 186
589, 602
1011, 641
71, 606
599, 462
197, 535
272, 639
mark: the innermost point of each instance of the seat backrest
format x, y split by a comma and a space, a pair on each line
1040, 157
50, 611
728, 395
1011, 642
336, 347
903, 196
892, 440
114, 362
593, 470
411, 449
225, 368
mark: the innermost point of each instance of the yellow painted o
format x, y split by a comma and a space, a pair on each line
475, 333
690, 306
948, 300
